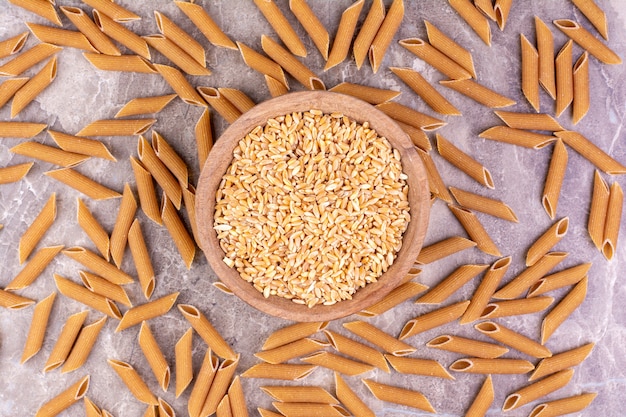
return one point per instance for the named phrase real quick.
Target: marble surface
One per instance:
(81, 94)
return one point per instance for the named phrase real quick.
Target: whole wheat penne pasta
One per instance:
(281, 26)
(399, 395)
(312, 25)
(474, 18)
(83, 345)
(38, 326)
(219, 387)
(483, 204)
(127, 63)
(165, 410)
(37, 229)
(369, 94)
(66, 398)
(220, 103)
(356, 350)
(223, 287)
(291, 372)
(42, 8)
(145, 188)
(28, 59)
(529, 121)
(177, 230)
(65, 340)
(450, 48)
(145, 105)
(563, 406)
(238, 98)
(262, 64)
(176, 54)
(564, 78)
(537, 390)
(290, 64)
(291, 350)
(189, 199)
(98, 265)
(517, 137)
(31, 271)
(483, 400)
(204, 137)
(350, 400)
(300, 394)
(292, 333)
(485, 290)
(61, 37)
(516, 307)
(184, 364)
(203, 382)
(417, 136)
(398, 295)
(587, 41)
(20, 129)
(379, 338)
(91, 409)
(492, 366)
(126, 127)
(180, 85)
(82, 146)
(207, 332)
(112, 10)
(105, 288)
(563, 309)
(182, 39)
(151, 411)
(444, 289)
(14, 44)
(530, 275)
(433, 319)
(385, 34)
(236, 399)
(545, 49)
(343, 37)
(560, 361)
(367, 33)
(591, 152)
(151, 350)
(435, 58)
(580, 79)
(568, 276)
(14, 173)
(417, 366)
(478, 92)
(133, 381)
(613, 220)
(123, 221)
(87, 297)
(122, 35)
(87, 27)
(94, 230)
(546, 241)
(513, 339)
(13, 301)
(170, 158)
(9, 87)
(501, 10)
(595, 15)
(141, 258)
(468, 347)
(223, 407)
(49, 154)
(201, 19)
(475, 230)
(160, 172)
(426, 91)
(290, 409)
(442, 249)
(147, 311)
(435, 182)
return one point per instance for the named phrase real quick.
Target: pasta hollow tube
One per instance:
(560, 361)
(372, 95)
(397, 296)
(13, 301)
(433, 319)
(83, 345)
(83, 184)
(65, 341)
(517, 137)
(133, 381)
(483, 204)
(385, 34)
(300, 394)
(275, 87)
(417, 136)
(14, 173)
(310, 409)
(513, 339)
(38, 326)
(9, 87)
(83, 146)
(88, 28)
(435, 58)
(120, 34)
(104, 288)
(281, 26)
(20, 129)
(357, 350)
(613, 220)
(587, 41)
(181, 38)
(478, 92)
(483, 400)
(203, 383)
(564, 78)
(177, 230)
(237, 398)
(13, 45)
(474, 18)
(537, 390)
(219, 387)
(223, 407)
(42, 8)
(545, 49)
(125, 216)
(126, 127)
(563, 310)
(183, 361)
(220, 103)
(379, 338)
(177, 55)
(312, 25)
(147, 194)
(450, 48)
(49, 154)
(141, 258)
(291, 350)
(125, 63)
(91, 410)
(530, 275)
(563, 406)
(444, 289)
(189, 198)
(61, 37)
(145, 105)
(399, 395)
(435, 182)
(492, 366)
(147, 311)
(98, 265)
(580, 101)
(154, 355)
(501, 10)
(568, 276)
(201, 19)
(547, 240)
(426, 91)
(591, 152)
(475, 230)
(442, 249)
(29, 91)
(113, 10)
(343, 37)
(337, 363)
(170, 158)
(94, 230)
(410, 116)
(180, 85)
(86, 297)
(207, 332)
(28, 59)
(65, 399)
(31, 271)
(290, 64)
(529, 121)
(516, 307)
(238, 98)
(38, 228)
(204, 137)
(350, 400)
(417, 366)
(367, 33)
(468, 347)
(282, 371)
(595, 15)
(160, 172)
(292, 333)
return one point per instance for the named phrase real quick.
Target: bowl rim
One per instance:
(220, 158)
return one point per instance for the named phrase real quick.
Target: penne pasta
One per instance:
(300, 394)
(517, 137)
(86, 297)
(530, 275)
(435, 58)
(141, 258)
(591, 152)
(501, 10)
(159, 172)
(105, 288)
(475, 230)
(563, 310)
(292, 333)
(478, 92)
(474, 18)
(448, 286)
(91, 410)
(189, 198)
(379, 338)
(125, 216)
(492, 366)
(546, 241)
(450, 48)
(563, 406)
(276, 88)
(145, 188)
(65, 341)
(561, 361)
(66, 398)
(174, 225)
(442, 249)
(385, 34)
(350, 400)
(41, 8)
(410, 116)
(569, 276)
(38, 326)
(98, 265)
(485, 290)
(545, 49)
(126, 63)
(121, 35)
(61, 37)
(203, 382)
(165, 410)
(516, 307)
(290, 64)
(14, 173)
(83, 345)
(9, 87)
(399, 395)
(513, 339)
(236, 399)
(28, 59)
(184, 361)
(309, 409)
(529, 121)
(367, 33)
(93, 229)
(170, 158)
(13, 301)
(201, 19)
(426, 91)
(238, 98)
(486, 6)
(207, 332)
(219, 387)
(126, 127)
(24, 130)
(483, 204)
(31, 271)
(371, 95)
(204, 137)
(468, 347)
(564, 78)
(112, 10)
(38, 228)
(595, 15)
(279, 371)
(151, 350)
(416, 366)
(291, 350)
(537, 390)
(356, 350)
(281, 26)
(483, 400)
(220, 103)
(133, 381)
(180, 85)
(29, 91)
(145, 105)
(433, 319)
(182, 39)
(222, 287)
(417, 136)
(177, 55)
(49, 154)
(343, 37)
(580, 77)
(147, 311)
(82, 146)
(587, 41)
(13, 44)
(311, 24)
(397, 296)
(87, 27)
(223, 408)
(613, 220)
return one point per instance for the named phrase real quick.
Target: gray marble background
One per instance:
(81, 94)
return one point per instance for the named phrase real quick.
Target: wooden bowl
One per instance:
(221, 156)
